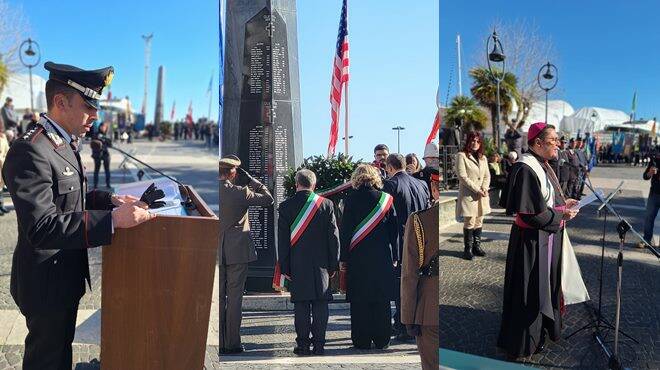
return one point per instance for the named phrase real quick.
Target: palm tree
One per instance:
(4, 75)
(484, 90)
(464, 113)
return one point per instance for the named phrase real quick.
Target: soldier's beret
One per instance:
(230, 161)
(89, 84)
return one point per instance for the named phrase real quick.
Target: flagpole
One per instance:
(346, 135)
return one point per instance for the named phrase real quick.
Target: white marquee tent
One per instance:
(592, 119)
(18, 88)
(557, 110)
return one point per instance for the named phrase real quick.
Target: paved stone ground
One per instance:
(471, 291)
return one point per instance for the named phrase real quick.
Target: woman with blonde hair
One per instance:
(473, 200)
(4, 148)
(368, 255)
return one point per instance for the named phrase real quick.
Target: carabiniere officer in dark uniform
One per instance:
(57, 219)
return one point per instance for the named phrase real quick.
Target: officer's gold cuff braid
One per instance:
(419, 233)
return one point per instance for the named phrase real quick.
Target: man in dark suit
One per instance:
(57, 219)
(308, 254)
(236, 247)
(410, 195)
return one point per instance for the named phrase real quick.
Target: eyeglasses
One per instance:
(554, 140)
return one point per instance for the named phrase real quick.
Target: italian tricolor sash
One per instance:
(305, 216)
(372, 219)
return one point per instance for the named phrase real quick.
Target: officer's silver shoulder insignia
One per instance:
(55, 138)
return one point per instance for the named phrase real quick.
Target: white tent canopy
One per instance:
(592, 119)
(18, 88)
(557, 110)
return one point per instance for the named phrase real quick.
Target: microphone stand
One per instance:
(187, 203)
(622, 228)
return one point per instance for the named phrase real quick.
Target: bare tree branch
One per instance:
(526, 52)
(14, 29)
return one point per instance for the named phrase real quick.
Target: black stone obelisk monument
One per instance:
(261, 118)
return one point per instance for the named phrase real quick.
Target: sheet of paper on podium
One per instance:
(173, 199)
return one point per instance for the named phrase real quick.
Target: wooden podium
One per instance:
(157, 288)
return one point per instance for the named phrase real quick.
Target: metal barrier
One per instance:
(447, 161)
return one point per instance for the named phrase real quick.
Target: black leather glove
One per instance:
(151, 195)
(414, 330)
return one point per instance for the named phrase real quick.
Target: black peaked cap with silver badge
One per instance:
(89, 84)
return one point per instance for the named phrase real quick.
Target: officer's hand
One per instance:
(570, 213)
(129, 215)
(118, 200)
(570, 203)
(414, 330)
(653, 170)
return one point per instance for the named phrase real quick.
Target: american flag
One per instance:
(339, 77)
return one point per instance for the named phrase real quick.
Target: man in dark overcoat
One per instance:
(410, 195)
(308, 254)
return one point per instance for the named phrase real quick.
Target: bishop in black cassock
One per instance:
(532, 282)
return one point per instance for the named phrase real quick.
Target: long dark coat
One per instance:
(524, 317)
(315, 256)
(410, 195)
(370, 275)
(57, 220)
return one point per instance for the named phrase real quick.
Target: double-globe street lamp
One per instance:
(496, 55)
(547, 81)
(31, 59)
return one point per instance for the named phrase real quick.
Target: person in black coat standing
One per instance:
(308, 254)
(100, 143)
(410, 195)
(369, 253)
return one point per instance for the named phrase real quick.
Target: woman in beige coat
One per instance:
(4, 148)
(473, 201)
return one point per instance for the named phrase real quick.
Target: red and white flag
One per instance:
(339, 78)
(435, 129)
(173, 111)
(189, 116)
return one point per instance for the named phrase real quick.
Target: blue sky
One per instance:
(393, 50)
(94, 35)
(606, 49)
(393, 72)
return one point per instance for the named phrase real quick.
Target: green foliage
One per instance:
(4, 74)
(484, 89)
(464, 112)
(330, 172)
(489, 147)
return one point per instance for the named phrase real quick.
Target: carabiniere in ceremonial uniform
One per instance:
(419, 278)
(57, 221)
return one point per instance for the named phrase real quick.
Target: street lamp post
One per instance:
(398, 137)
(33, 54)
(551, 80)
(496, 55)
